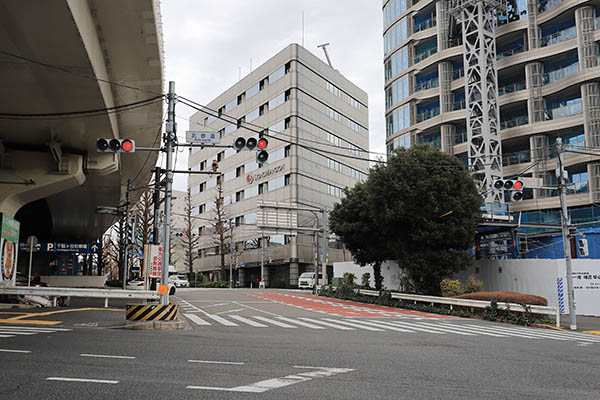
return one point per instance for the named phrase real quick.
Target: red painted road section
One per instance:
(344, 308)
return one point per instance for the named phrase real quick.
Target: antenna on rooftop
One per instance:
(324, 47)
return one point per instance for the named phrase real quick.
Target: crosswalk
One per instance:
(8, 331)
(434, 327)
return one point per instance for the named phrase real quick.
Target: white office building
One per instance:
(316, 122)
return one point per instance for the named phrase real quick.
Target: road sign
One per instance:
(10, 229)
(153, 260)
(203, 137)
(53, 247)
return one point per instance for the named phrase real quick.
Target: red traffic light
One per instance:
(518, 185)
(127, 145)
(262, 143)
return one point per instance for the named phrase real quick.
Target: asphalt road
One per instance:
(229, 355)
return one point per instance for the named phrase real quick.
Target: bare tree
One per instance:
(190, 239)
(220, 224)
(145, 213)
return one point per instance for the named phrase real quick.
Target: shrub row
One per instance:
(506, 297)
(492, 313)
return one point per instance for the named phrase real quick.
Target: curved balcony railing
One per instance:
(428, 114)
(513, 87)
(430, 23)
(425, 54)
(513, 122)
(510, 52)
(557, 37)
(564, 111)
(516, 158)
(557, 75)
(430, 84)
(458, 73)
(550, 4)
(459, 105)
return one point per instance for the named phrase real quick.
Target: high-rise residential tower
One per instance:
(547, 77)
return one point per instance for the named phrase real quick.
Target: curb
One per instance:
(548, 326)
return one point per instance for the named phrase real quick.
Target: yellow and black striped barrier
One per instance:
(151, 312)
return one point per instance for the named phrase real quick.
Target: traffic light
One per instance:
(242, 143)
(261, 153)
(181, 234)
(514, 186)
(115, 145)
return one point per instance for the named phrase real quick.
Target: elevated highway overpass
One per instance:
(63, 56)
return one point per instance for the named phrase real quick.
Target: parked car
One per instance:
(179, 281)
(307, 280)
(21, 280)
(138, 284)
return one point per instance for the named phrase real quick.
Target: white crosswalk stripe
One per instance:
(301, 323)
(277, 323)
(436, 327)
(336, 326)
(196, 319)
(221, 320)
(8, 331)
(248, 321)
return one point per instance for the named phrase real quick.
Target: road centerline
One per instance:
(107, 356)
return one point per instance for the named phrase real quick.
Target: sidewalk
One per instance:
(583, 323)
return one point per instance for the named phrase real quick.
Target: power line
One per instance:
(63, 69)
(73, 113)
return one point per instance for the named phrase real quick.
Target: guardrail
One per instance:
(55, 292)
(451, 301)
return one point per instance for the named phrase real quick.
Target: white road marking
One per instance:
(56, 378)
(276, 383)
(34, 329)
(437, 327)
(482, 330)
(229, 311)
(255, 309)
(564, 334)
(221, 320)
(216, 362)
(1, 336)
(382, 325)
(301, 323)
(317, 321)
(277, 323)
(410, 326)
(107, 356)
(14, 351)
(248, 321)
(196, 319)
(504, 331)
(368, 328)
(17, 333)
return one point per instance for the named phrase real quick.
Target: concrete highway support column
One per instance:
(46, 176)
(294, 273)
(242, 277)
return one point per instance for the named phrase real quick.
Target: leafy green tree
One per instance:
(421, 209)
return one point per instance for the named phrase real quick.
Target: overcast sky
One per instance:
(207, 42)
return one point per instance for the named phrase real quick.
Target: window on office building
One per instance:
(288, 123)
(287, 180)
(239, 171)
(288, 150)
(263, 109)
(333, 89)
(333, 114)
(239, 196)
(262, 188)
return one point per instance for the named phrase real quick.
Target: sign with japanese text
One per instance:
(153, 260)
(81, 248)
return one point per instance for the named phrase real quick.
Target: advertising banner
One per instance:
(9, 246)
(153, 260)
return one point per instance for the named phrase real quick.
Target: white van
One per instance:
(307, 280)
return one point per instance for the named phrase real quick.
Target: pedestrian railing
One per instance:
(54, 293)
(452, 302)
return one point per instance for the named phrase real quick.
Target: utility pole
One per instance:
(127, 237)
(324, 247)
(562, 184)
(262, 261)
(170, 137)
(230, 254)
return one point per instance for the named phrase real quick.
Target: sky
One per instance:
(207, 43)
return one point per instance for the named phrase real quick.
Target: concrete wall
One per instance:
(392, 275)
(74, 281)
(539, 277)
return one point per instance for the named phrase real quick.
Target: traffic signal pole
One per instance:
(565, 232)
(169, 147)
(127, 236)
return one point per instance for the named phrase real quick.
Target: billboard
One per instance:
(9, 246)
